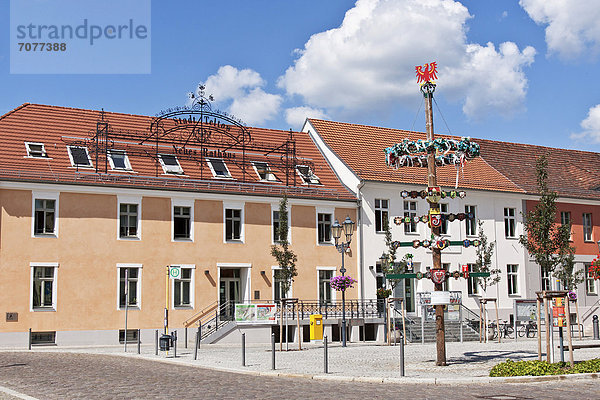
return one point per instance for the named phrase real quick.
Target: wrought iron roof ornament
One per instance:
(199, 99)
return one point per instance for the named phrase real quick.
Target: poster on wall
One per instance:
(256, 313)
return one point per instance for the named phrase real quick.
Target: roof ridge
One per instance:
(14, 110)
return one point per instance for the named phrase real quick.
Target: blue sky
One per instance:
(519, 71)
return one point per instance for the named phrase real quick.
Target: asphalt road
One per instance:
(46, 375)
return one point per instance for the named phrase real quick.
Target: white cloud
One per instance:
(368, 62)
(240, 91)
(590, 125)
(572, 25)
(295, 116)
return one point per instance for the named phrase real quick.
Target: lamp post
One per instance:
(336, 229)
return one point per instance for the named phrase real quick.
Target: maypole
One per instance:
(431, 153)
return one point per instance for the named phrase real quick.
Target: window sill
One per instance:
(86, 167)
(514, 295)
(238, 241)
(45, 235)
(38, 158)
(587, 241)
(412, 233)
(183, 240)
(325, 244)
(130, 238)
(511, 238)
(183, 308)
(40, 309)
(135, 308)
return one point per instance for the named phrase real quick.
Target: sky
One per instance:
(509, 70)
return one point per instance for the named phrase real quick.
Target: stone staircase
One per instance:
(452, 328)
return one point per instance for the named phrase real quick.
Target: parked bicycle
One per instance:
(529, 329)
(506, 330)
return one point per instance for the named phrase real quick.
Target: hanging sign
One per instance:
(435, 218)
(174, 272)
(438, 275)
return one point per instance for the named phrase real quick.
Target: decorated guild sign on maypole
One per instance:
(431, 153)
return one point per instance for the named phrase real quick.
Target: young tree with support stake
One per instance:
(545, 240)
(286, 258)
(483, 262)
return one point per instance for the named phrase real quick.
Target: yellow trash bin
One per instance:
(316, 327)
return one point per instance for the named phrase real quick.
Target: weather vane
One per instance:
(200, 100)
(426, 73)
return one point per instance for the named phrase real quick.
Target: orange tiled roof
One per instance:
(502, 166)
(56, 126)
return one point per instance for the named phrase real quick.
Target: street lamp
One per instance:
(336, 229)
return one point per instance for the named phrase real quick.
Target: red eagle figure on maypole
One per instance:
(427, 72)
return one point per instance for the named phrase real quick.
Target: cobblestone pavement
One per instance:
(48, 375)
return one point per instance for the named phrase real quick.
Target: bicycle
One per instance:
(529, 329)
(506, 330)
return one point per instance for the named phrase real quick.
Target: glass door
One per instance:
(229, 291)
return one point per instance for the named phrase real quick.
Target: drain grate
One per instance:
(503, 397)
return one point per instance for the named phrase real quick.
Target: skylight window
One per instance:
(79, 156)
(170, 164)
(36, 150)
(119, 160)
(264, 171)
(218, 168)
(307, 174)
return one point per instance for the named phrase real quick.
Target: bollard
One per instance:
(243, 349)
(156, 342)
(29, 338)
(197, 342)
(186, 339)
(325, 355)
(174, 344)
(594, 324)
(272, 351)
(139, 343)
(402, 356)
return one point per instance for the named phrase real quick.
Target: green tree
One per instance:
(390, 266)
(545, 240)
(483, 261)
(286, 259)
(566, 272)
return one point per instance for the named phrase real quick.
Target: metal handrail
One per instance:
(194, 318)
(590, 311)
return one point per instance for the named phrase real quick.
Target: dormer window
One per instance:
(170, 164)
(36, 150)
(118, 160)
(79, 156)
(264, 171)
(218, 168)
(307, 174)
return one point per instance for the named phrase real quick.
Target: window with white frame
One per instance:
(510, 222)
(170, 164)
(325, 290)
(512, 278)
(410, 210)
(218, 168)
(79, 156)
(264, 171)
(183, 288)
(129, 286)
(278, 280)
(128, 220)
(381, 214)
(587, 227)
(307, 174)
(36, 150)
(444, 225)
(324, 227)
(43, 287)
(182, 223)
(590, 282)
(118, 160)
(233, 224)
(546, 282)
(471, 224)
(472, 282)
(44, 217)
